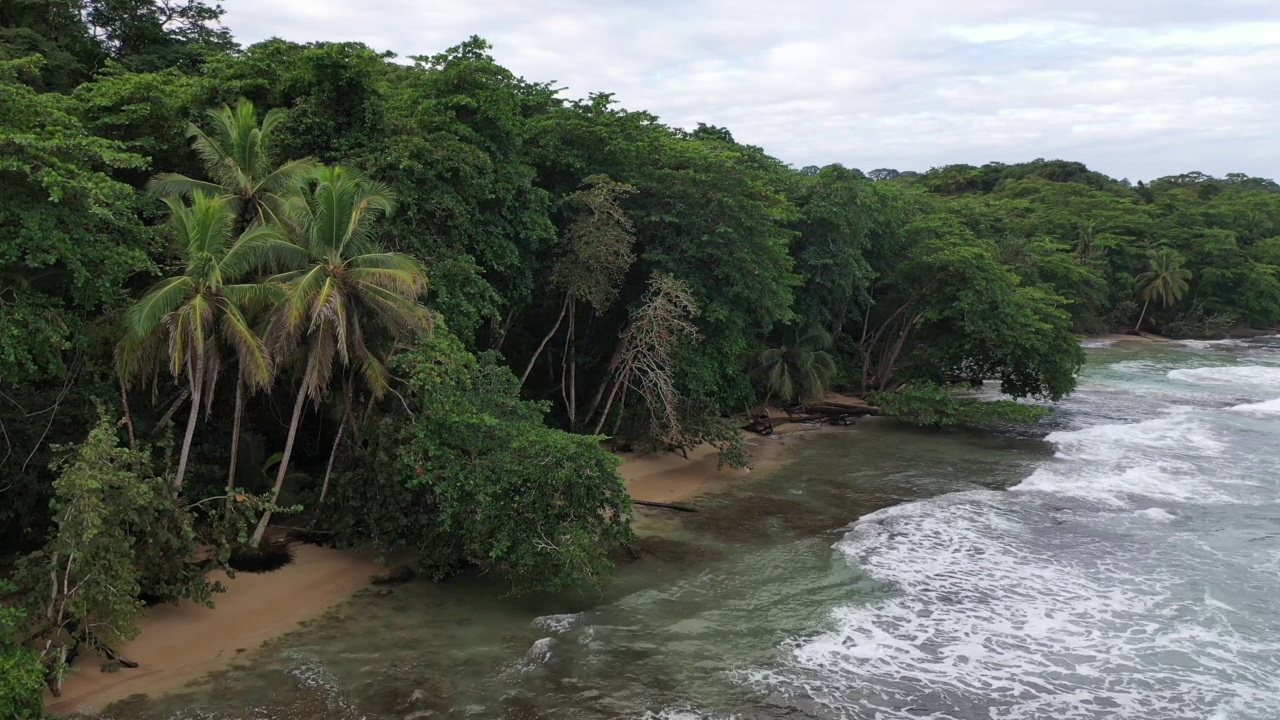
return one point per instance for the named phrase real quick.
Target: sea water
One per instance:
(1120, 561)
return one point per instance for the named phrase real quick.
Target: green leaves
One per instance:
(467, 474)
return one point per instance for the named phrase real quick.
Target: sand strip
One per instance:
(184, 642)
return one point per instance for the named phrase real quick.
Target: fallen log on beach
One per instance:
(664, 506)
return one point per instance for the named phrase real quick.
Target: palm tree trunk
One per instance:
(529, 368)
(1138, 327)
(235, 438)
(261, 530)
(333, 455)
(197, 389)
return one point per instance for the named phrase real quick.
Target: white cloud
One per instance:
(1136, 88)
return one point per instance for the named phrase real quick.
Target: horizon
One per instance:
(1129, 94)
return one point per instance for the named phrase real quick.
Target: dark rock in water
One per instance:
(397, 576)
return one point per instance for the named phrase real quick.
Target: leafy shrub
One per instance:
(21, 675)
(466, 474)
(934, 406)
(1199, 324)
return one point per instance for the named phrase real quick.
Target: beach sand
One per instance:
(184, 642)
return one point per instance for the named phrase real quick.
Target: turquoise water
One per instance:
(1121, 562)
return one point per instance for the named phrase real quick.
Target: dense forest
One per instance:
(404, 301)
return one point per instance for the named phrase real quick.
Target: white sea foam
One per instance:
(1268, 407)
(987, 617)
(1156, 514)
(1244, 376)
(540, 652)
(1156, 458)
(558, 624)
(1096, 343)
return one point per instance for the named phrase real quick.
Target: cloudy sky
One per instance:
(1135, 88)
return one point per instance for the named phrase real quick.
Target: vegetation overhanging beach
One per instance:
(417, 309)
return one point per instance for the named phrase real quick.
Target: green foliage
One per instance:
(118, 533)
(69, 237)
(468, 475)
(934, 406)
(800, 371)
(21, 675)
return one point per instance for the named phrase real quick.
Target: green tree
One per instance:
(118, 532)
(185, 321)
(465, 473)
(239, 157)
(346, 300)
(800, 371)
(21, 674)
(1166, 281)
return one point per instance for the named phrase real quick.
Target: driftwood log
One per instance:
(832, 412)
(664, 506)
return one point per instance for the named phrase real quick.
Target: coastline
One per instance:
(1122, 338)
(183, 643)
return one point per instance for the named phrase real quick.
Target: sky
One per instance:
(1134, 88)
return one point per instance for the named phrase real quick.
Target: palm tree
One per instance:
(342, 289)
(1166, 281)
(239, 158)
(185, 321)
(799, 372)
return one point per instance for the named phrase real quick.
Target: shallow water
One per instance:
(1125, 566)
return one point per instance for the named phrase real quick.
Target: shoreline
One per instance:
(183, 643)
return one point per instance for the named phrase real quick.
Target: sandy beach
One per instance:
(184, 642)
(179, 644)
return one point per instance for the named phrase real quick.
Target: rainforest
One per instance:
(416, 304)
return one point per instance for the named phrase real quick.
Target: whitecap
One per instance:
(558, 624)
(1268, 407)
(991, 617)
(1247, 376)
(1156, 514)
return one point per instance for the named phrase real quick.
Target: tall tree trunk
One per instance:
(235, 437)
(608, 405)
(128, 415)
(261, 530)
(197, 389)
(573, 372)
(333, 455)
(604, 384)
(1138, 327)
(529, 368)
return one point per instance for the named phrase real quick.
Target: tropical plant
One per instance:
(238, 154)
(343, 294)
(185, 321)
(799, 372)
(1166, 281)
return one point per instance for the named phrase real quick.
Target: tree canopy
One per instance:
(468, 287)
